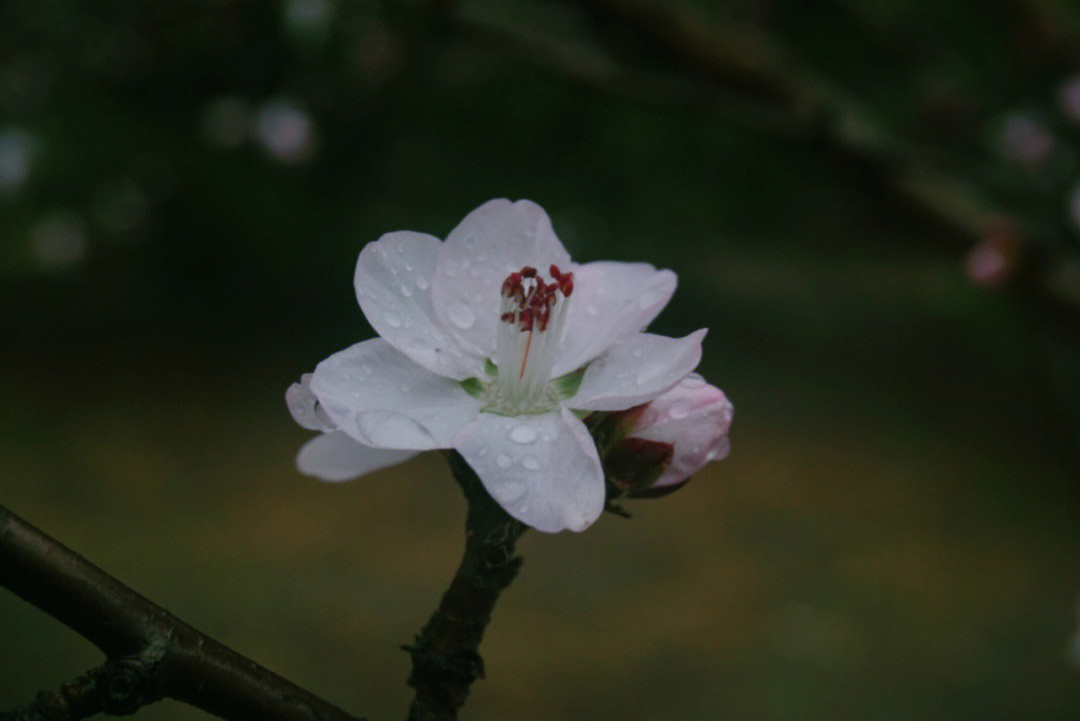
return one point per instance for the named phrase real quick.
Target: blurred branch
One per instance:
(444, 655)
(743, 77)
(151, 654)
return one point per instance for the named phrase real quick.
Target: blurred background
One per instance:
(873, 206)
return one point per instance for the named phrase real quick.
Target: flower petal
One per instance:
(494, 240)
(610, 301)
(305, 408)
(636, 370)
(381, 398)
(337, 457)
(542, 469)
(694, 417)
(392, 280)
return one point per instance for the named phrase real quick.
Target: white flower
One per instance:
(489, 343)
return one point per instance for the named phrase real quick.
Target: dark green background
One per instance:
(895, 533)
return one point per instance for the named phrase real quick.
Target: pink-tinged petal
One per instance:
(337, 457)
(304, 406)
(694, 417)
(379, 397)
(636, 370)
(610, 301)
(542, 469)
(494, 240)
(393, 284)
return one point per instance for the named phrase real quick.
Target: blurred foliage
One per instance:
(873, 206)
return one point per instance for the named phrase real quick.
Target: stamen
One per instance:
(531, 321)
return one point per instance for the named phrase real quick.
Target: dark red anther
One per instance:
(566, 284)
(528, 272)
(512, 283)
(554, 272)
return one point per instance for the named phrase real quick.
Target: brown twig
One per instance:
(151, 653)
(444, 655)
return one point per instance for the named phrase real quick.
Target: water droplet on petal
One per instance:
(482, 451)
(502, 460)
(462, 315)
(405, 388)
(592, 309)
(422, 283)
(679, 409)
(406, 291)
(651, 296)
(523, 434)
(510, 490)
(573, 519)
(392, 320)
(531, 463)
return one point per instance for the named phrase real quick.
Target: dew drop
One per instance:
(462, 315)
(523, 434)
(482, 451)
(573, 519)
(502, 460)
(406, 291)
(510, 491)
(592, 309)
(422, 283)
(392, 320)
(405, 387)
(651, 296)
(530, 463)
(679, 409)
(637, 353)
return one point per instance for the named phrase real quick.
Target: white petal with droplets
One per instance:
(636, 370)
(381, 398)
(494, 240)
(337, 457)
(393, 277)
(548, 476)
(610, 301)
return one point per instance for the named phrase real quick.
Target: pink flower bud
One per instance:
(694, 418)
(652, 449)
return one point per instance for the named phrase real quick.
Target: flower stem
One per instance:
(444, 655)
